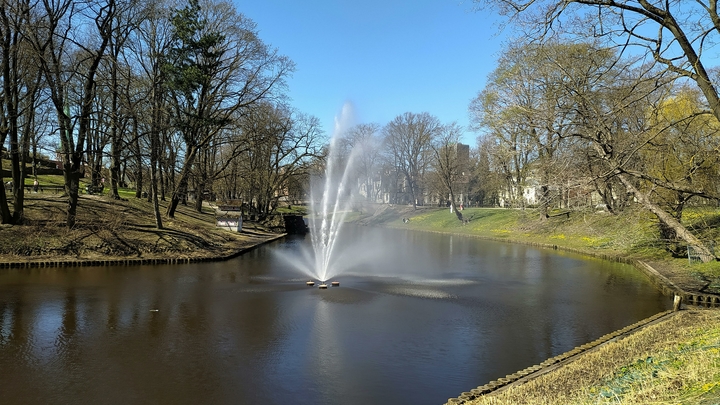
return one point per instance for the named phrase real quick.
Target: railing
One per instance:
(696, 255)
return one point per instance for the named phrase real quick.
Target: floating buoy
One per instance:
(322, 286)
(310, 283)
(335, 284)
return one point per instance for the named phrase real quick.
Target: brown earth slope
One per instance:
(119, 229)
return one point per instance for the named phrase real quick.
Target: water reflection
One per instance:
(431, 316)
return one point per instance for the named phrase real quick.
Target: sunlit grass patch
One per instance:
(676, 361)
(422, 217)
(595, 242)
(682, 373)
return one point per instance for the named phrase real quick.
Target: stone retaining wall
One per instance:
(669, 288)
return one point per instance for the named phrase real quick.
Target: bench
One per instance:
(566, 214)
(695, 254)
(230, 223)
(229, 208)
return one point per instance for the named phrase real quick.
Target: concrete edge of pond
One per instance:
(667, 287)
(530, 373)
(133, 262)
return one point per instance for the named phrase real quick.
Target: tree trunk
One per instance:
(457, 212)
(5, 216)
(72, 188)
(138, 169)
(181, 188)
(411, 184)
(174, 201)
(198, 199)
(544, 198)
(115, 140)
(178, 193)
(10, 109)
(115, 167)
(162, 179)
(154, 184)
(668, 220)
(18, 188)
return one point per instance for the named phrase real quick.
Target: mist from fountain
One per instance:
(330, 202)
(332, 196)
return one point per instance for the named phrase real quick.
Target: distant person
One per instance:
(35, 186)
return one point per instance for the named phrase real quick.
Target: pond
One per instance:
(421, 319)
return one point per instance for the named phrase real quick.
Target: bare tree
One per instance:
(119, 80)
(13, 81)
(503, 111)
(485, 180)
(364, 140)
(216, 67)
(146, 91)
(55, 40)
(409, 138)
(283, 143)
(610, 105)
(676, 33)
(449, 162)
(601, 100)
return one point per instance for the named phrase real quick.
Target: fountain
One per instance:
(330, 202)
(331, 198)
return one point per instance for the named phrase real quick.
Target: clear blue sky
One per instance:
(385, 57)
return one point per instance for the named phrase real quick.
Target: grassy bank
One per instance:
(118, 229)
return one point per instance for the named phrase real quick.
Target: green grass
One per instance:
(124, 192)
(46, 180)
(293, 210)
(633, 233)
(584, 231)
(676, 361)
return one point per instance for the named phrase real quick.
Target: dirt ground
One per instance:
(120, 229)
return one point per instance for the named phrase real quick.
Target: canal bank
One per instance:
(36, 264)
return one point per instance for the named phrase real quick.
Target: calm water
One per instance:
(424, 318)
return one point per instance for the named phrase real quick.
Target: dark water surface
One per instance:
(424, 318)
